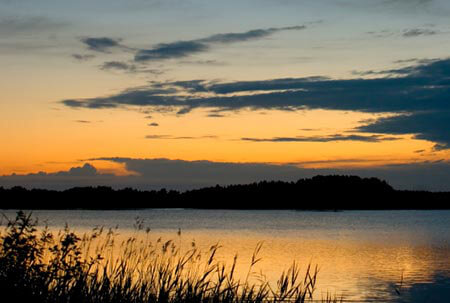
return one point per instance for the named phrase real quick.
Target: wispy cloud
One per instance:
(406, 33)
(215, 115)
(81, 121)
(332, 138)
(169, 137)
(204, 62)
(128, 68)
(181, 49)
(81, 57)
(249, 35)
(415, 32)
(117, 65)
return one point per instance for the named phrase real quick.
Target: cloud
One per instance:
(81, 57)
(339, 162)
(169, 137)
(416, 2)
(181, 49)
(415, 32)
(204, 62)
(158, 137)
(117, 65)
(420, 90)
(177, 49)
(19, 25)
(411, 60)
(397, 6)
(153, 124)
(179, 174)
(249, 35)
(174, 50)
(87, 170)
(381, 33)
(332, 138)
(406, 33)
(422, 67)
(155, 95)
(101, 44)
(86, 175)
(432, 126)
(413, 3)
(129, 68)
(310, 129)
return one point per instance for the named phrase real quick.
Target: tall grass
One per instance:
(41, 266)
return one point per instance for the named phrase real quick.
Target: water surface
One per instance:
(362, 255)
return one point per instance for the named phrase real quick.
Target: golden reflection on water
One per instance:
(354, 269)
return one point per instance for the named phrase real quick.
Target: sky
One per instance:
(190, 93)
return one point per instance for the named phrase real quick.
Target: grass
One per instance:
(41, 266)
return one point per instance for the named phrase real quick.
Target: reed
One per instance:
(42, 266)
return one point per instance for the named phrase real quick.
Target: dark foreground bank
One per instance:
(317, 193)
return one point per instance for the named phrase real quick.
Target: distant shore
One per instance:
(321, 193)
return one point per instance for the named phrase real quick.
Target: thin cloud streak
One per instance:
(169, 137)
(332, 138)
(182, 49)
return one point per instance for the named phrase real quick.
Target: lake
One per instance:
(362, 255)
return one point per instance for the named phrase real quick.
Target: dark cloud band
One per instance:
(101, 44)
(421, 91)
(179, 174)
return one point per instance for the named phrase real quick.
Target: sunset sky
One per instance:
(189, 93)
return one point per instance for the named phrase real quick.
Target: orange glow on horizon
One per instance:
(68, 138)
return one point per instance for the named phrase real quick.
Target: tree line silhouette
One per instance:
(317, 193)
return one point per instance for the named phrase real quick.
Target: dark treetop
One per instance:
(317, 193)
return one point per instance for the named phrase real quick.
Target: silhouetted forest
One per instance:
(317, 193)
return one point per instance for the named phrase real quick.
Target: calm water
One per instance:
(362, 255)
